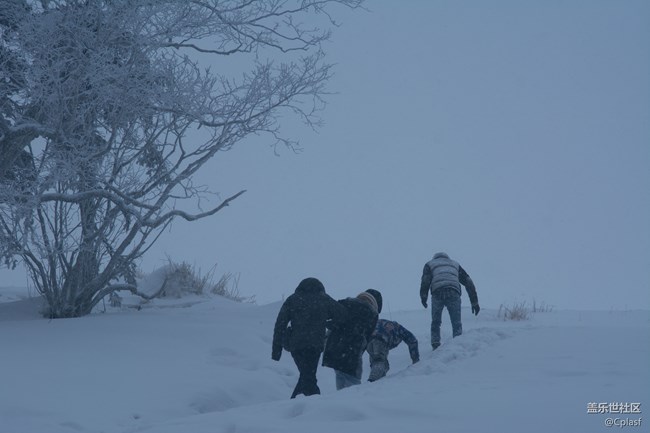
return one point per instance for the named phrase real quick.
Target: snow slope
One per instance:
(202, 364)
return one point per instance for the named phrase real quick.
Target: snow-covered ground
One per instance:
(203, 364)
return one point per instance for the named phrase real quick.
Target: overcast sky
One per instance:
(514, 135)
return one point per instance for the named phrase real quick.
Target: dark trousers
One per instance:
(344, 380)
(307, 362)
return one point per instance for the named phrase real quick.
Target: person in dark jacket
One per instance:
(347, 341)
(387, 336)
(300, 329)
(442, 277)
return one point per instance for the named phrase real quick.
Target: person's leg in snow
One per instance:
(452, 302)
(378, 354)
(344, 380)
(437, 304)
(307, 362)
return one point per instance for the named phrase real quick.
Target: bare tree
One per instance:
(97, 101)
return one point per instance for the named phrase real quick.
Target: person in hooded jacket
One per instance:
(348, 339)
(300, 329)
(442, 277)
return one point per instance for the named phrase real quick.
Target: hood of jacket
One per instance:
(310, 285)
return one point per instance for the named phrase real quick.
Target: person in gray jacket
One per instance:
(442, 277)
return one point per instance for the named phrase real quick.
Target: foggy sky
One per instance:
(514, 135)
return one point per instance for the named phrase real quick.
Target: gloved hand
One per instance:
(424, 302)
(276, 354)
(475, 309)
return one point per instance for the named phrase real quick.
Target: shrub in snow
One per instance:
(542, 307)
(518, 311)
(228, 287)
(115, 300)
(184, 279)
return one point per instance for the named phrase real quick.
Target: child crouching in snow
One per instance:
(388, 335)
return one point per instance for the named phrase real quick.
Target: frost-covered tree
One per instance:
(107, 111)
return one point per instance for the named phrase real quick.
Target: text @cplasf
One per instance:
(623, 422)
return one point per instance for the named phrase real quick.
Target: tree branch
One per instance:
(129, 287)
(189, 217)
